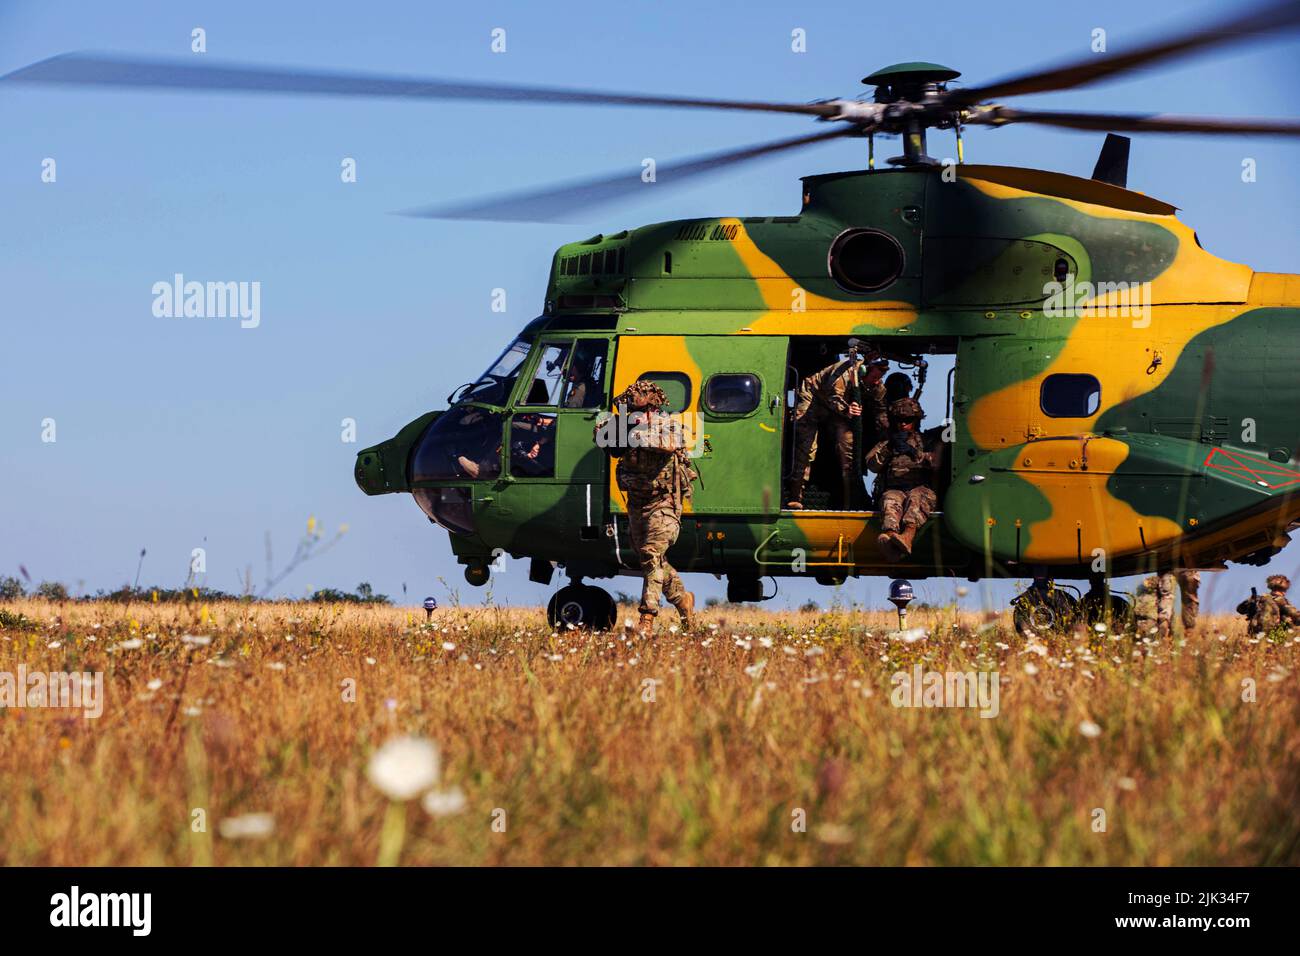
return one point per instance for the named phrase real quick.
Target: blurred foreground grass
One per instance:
(766, 738)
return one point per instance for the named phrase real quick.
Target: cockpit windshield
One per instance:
(494, 386)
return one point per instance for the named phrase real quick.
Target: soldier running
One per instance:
(824, 398)
(655, 473)
(906, 464)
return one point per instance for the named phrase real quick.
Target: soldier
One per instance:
(655, 473)
(897, 385)
(1145, 612)
(1262, 614)
(1266, 612)
(906, 463)
(1278, 585)
(582, 390)
(1189, 584)
(825, 397)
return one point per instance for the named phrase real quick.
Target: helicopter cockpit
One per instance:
(473, 442)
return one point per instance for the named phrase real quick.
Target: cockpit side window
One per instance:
(548, 377)
(584, 385)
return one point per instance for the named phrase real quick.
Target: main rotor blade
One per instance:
(1275, 17)
(1137, 123)
(101, 70)
(553, 202)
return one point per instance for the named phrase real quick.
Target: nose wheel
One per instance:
(1043, 607)
(581, 606)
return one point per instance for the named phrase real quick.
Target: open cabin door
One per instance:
(730, 390)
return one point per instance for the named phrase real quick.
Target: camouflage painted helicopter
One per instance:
(1115, 390)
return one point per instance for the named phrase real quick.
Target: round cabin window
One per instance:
(865, 260)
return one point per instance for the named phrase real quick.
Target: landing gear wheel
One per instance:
(1038, 612)
(581, 606)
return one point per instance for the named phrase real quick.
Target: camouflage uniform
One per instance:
(1189, 584)
(656, 476)
(824, 397)
(1145, 611)
(1267, 612)
(1262, 613)
(905, 461)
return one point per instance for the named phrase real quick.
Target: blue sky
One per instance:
(175, 434)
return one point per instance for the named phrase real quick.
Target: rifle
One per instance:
(853, 482)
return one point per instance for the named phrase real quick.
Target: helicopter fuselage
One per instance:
(1119, 400)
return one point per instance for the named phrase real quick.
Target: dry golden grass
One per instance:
(556, 731)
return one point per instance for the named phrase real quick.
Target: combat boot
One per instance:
(794, 498)
(687, 611)
(646, 626)
(903, 540)
(891, 546)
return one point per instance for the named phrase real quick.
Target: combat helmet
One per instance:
(897, 385)
(1278, 582)
(642, 392)
(905, 409)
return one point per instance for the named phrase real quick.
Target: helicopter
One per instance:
(1104, 365)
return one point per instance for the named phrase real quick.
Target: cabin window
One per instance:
(732, 394)
(1067, 395)
(675, 385)
(865, 260)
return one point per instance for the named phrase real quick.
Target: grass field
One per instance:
(766, 738)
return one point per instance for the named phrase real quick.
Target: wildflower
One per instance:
(250, 826)
(1089, 729)
(443, 803)
(132, 644)
(194, 640)
(404, 768)
(154, 684)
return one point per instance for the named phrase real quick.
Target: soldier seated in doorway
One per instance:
(826, 397)
(906, 462)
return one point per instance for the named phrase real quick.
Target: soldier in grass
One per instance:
(1188, 583)
(1266, 613)
(1144, 604)
(655, 473)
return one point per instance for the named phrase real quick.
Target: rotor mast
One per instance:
(907, 89)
